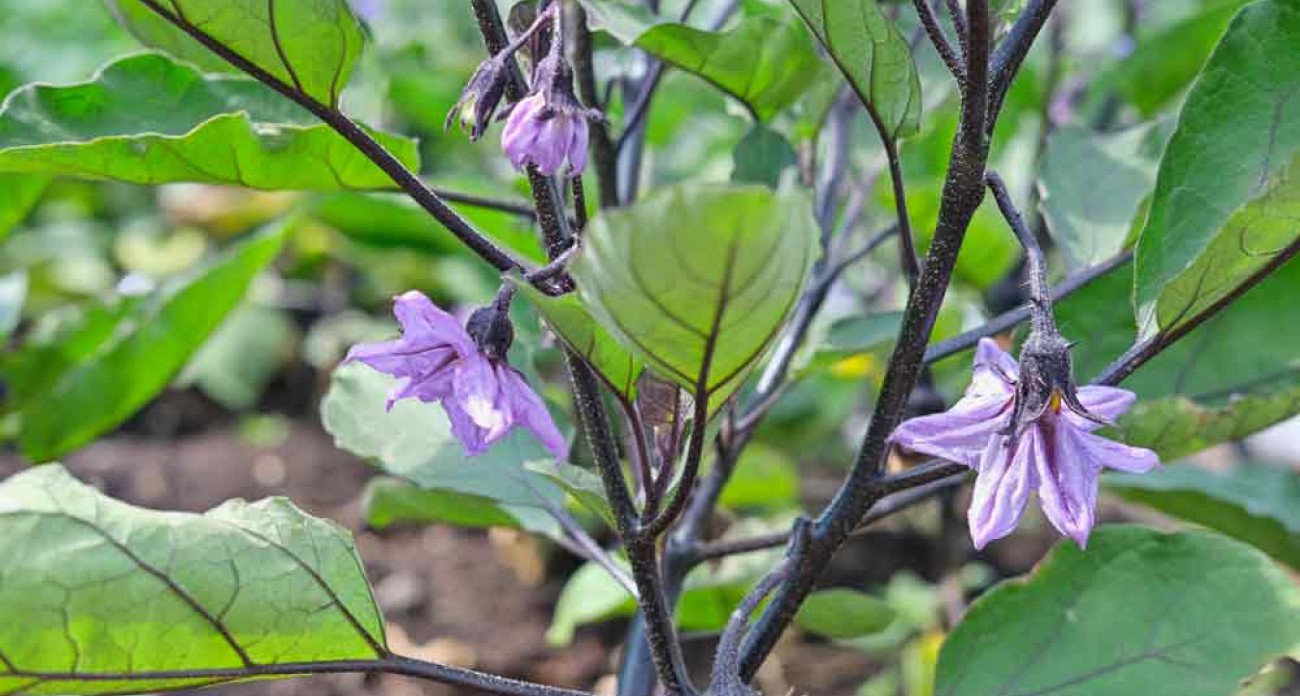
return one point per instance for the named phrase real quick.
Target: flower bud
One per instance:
(479, 100)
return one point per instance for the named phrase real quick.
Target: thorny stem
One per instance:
(556, 232)
(1039, 294)
(1011, 53)
(940, 40)
(358, 137)
(962, 194)
(888, 505)
(1009, 320)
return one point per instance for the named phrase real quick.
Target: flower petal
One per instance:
(578, 148)
(471, 436)
(425, 323)
(1108, 403)
(960, 434)
(1102, 452)
(528, 409)
(1067, 481)
(1006, 476)
(478, 392)
(993, 368)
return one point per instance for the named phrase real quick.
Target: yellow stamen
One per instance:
(1055, 402)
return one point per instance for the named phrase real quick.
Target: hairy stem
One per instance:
(962, 193)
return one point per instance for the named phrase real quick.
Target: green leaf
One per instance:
(589, 595)
(101, 597)
(148, 120)
(388, 501)
(873, 55)
(309, 45)
(1164, 63)
(765, 63)
(1228, 190)
(1255, 503)
(843, 614)
(1186, 614)
(81, 385)
(1091, 186)
(243, 355)
(1235, 375)
(571, 321)
(761, 157)
(696, 280)
(19, 193)
(583, 485)
(413, 441)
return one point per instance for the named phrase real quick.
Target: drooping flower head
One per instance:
(478, 101)
(1025, 427)
(548, 127)
(438, 360)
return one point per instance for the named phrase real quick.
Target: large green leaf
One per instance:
(413, 441)
(765, 63)
(566, 315)
(1228, 191)
(1186, 614)
(696, 280)
(1236, 374)
(1091, 188)
(78, 385)
(873, 55)
(148, 120)
(1258, 504)
(1165, 62)
(100, 597)
(310, 45)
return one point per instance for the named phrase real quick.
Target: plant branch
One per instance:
(1143, 351)
(1039, 293)
(940, 40)
(390, 664)
(1012, 51)
(888, 506)
(1009, 320)
(357, 136)
(962, 193)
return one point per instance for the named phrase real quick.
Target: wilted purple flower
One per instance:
(437, 360)
(479, 100)
(545, 130)
(1011, 428)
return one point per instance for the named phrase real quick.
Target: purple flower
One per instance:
(545, 134)
(437, 360)
(1011, 428)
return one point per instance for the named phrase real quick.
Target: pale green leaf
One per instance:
(1256, 503)
(309, 45)
(697, 280)
(569, 319)
(873, 55)
(761, 157)
(1228, 192)
(100, 597)
(765, 63)
(148, 120)
(1091, 186)
(1187, 614)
